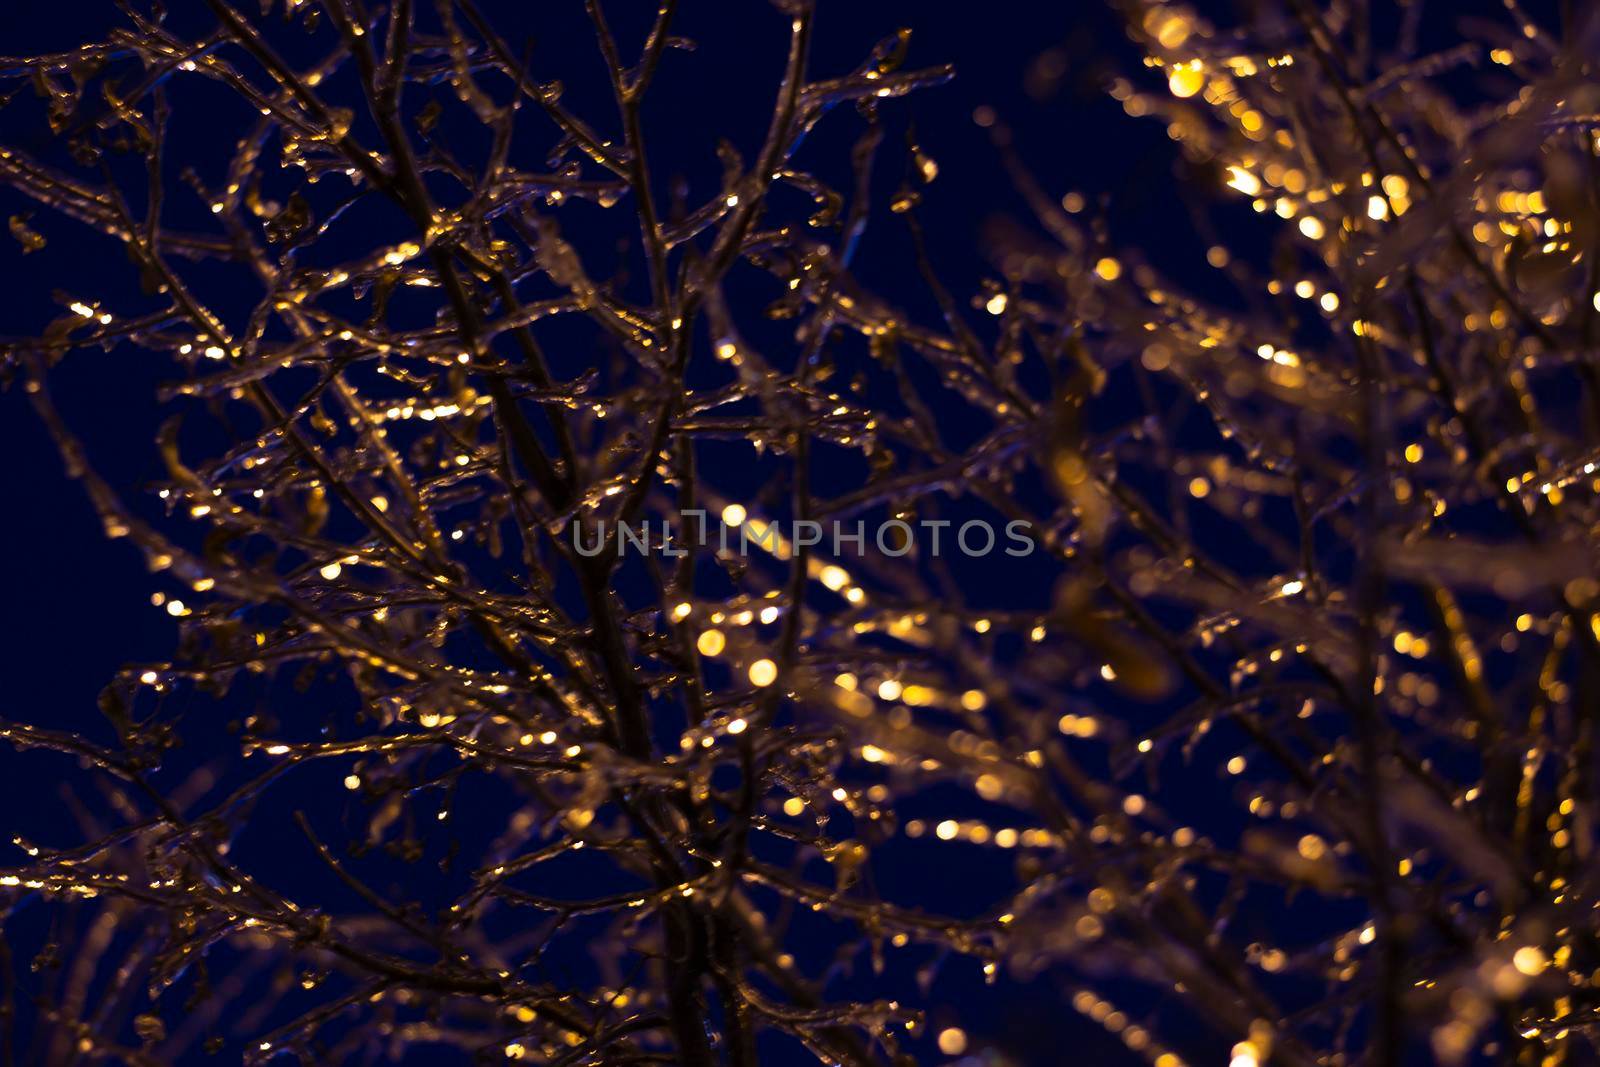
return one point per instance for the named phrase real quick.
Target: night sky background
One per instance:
(78, 607)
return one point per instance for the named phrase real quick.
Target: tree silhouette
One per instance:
(1303, 743)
